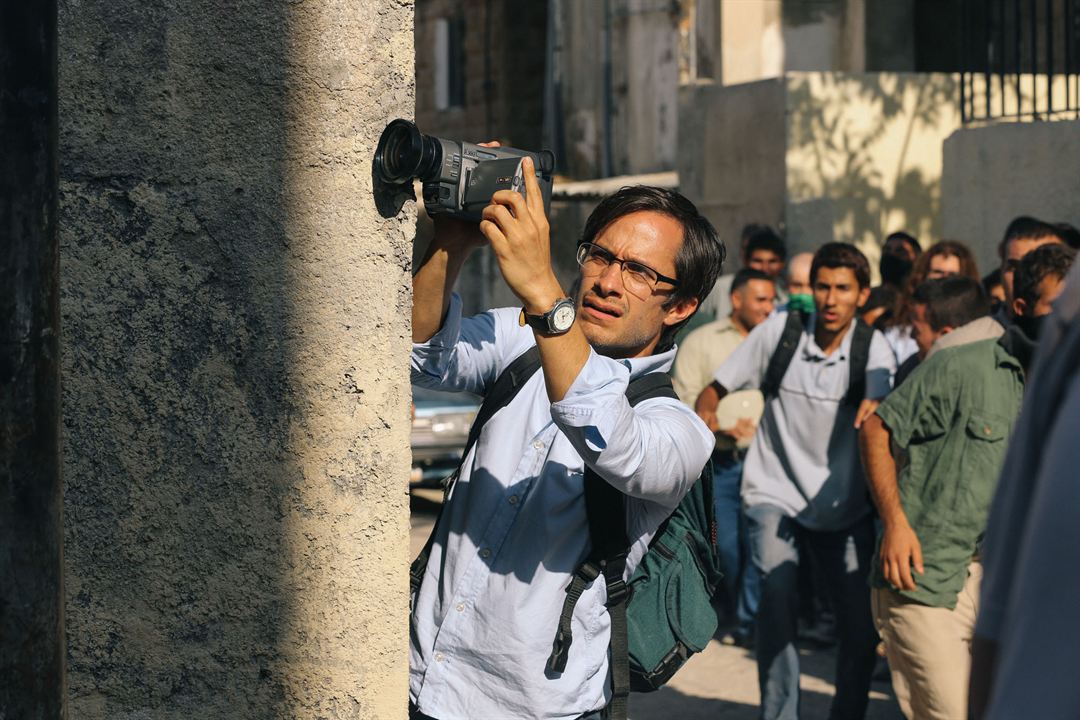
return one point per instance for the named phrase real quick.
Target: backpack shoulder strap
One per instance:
(785, 351)
(502, 391)
(605, 510)
(858, 359)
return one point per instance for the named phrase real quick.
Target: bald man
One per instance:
(798, 282)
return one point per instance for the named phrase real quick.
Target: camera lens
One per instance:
(404, 153)
(399, 151)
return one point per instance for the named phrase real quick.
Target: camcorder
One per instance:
(458, 178)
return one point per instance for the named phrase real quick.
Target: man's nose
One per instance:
(610, 278)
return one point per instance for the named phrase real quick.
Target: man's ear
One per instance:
(680, 310)
(1019, 307)
(864, 295)
(736, 300)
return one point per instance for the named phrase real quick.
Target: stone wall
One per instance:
(864, 156)
(824, 156)
(731, 155)
(235, 339)
(994, 173)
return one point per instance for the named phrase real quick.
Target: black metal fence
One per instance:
(1019, 60)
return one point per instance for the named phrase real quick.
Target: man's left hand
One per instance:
(519, 234)
(742, 431)
(866, 409)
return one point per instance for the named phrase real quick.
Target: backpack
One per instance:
(664, 613)
(789, 342)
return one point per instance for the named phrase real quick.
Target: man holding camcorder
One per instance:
(514, 526)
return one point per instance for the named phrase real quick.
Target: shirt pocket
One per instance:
(985, 436)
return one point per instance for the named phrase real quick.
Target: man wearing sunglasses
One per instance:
(515, 527)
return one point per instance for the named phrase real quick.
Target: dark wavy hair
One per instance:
(841, 255)
(951, 301)
(1054, 260)
(969, 268)
(700, 259)
(1026, 227)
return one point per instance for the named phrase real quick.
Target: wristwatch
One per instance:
(555, 321)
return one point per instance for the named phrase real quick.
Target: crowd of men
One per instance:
(859, 431)
(944, 374)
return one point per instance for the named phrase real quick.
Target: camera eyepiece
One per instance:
(404, 153)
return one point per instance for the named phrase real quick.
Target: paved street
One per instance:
(720, 682)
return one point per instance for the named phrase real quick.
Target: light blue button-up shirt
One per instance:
(514, 528)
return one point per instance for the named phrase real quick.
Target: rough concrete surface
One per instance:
(235, 335)
(994, 173)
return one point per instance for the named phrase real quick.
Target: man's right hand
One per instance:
(900, 551)
(438, 272)
(462, 235)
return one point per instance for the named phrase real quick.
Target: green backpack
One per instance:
(664, 613)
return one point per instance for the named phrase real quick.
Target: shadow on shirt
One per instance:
(536, 521)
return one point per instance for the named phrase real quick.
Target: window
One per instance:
(449, 62)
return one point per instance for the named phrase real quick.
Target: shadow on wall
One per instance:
(176, 373)
(871, 146)
(193, 314)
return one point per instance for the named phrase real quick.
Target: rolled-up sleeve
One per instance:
(745, 367)
(880, 367)
(462, 355)
(653, 451)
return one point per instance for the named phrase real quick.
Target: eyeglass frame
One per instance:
(583, 251)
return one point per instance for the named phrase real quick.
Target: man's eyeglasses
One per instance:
(639, 280)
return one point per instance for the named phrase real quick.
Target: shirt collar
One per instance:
(725, 325)
(811, 351)
(660, 362)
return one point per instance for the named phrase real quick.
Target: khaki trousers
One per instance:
(929, 649)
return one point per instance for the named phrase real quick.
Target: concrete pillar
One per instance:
(235, 359)
(31, 569)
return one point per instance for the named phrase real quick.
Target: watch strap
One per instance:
(541, 323)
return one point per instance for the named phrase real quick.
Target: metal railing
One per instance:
(1019, 60)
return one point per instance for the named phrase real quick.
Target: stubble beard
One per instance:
(609, 342)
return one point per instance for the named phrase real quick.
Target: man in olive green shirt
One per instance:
(949, 422)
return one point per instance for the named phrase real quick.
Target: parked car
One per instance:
(440, 429)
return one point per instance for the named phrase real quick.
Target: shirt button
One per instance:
(513, 500)
(460, 607)
(485, 553)
(439, 657)
(986, 430)
(539, 445)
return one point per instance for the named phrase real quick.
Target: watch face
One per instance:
(563, 317)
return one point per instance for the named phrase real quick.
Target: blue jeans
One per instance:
(741, 578)
(844, 558)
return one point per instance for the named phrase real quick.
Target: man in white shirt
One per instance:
(803, 486)
(515, 528)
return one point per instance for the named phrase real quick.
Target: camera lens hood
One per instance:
(399, 153)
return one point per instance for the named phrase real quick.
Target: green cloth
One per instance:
(951, 419)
